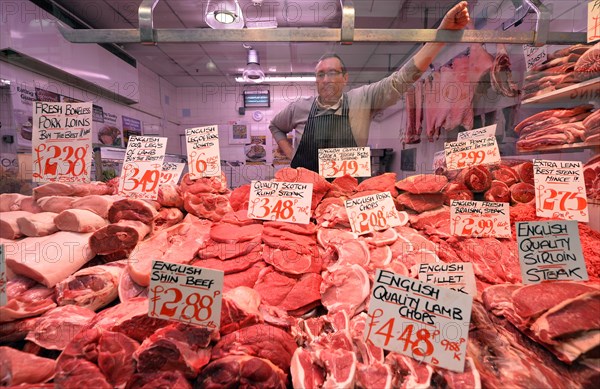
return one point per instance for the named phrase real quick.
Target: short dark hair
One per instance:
(333, 55)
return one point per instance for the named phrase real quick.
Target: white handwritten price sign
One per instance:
(62, 142)
(479, 219)
(471, 152)
(534, 55)
(372, 213)
(3, 277)
(550, 250)
(560, 190)
(354, 161)
(281, 201)
(456, 276)
(171, 172)
(478, 133)
(419, 320)
(188, 294)
(593, 21)
(204, 158)
(142, 167)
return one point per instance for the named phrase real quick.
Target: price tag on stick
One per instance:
(479, 219)
(62, 142)
(204, 157)
(187, 294)
(372, 213)
(560, 190)
(3, 278)
(471, 152)
(550, 251)
(354, 161)
(142, 167)
(171, 172)
(419, 320)
(281, 201)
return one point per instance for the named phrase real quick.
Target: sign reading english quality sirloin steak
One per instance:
(550, 251)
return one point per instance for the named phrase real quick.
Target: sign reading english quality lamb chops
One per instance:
(427, 323)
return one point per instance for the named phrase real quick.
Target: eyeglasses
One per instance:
(330, 74)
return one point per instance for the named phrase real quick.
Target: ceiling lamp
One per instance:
(284, 78)
(253, 72)
(224, 14)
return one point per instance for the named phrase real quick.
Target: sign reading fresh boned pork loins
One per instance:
(423, 321)
(187, 294)
(280, 201)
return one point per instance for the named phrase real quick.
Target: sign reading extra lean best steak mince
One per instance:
(280, 201)
(188, 294)
(419, 320)
(337, 162)
(204, 156)
(550, 251)
(62, 142)
(560, 190)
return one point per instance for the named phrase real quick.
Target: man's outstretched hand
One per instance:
(457, 18)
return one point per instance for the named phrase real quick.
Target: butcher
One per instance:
(336, 118)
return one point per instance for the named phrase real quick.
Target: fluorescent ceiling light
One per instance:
(306, 78)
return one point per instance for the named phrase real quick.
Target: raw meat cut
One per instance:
(423, 183)
(525, 172)
(305, 373)
(374, 376)
(91, 287)
(260, 340)
(410, 131)
(11, 202)
(385, 182)
(95, 203)
(560, 134)
(331, 212)
(175, 347)
(289, 260)
(78, 190)
(340, 367)
(132, 209)
(345, 288)
(228, 233)
(239, 197)
(79, 220)
(55, 328)
(505, 174)
(522, 193)
(207, 205)
(21, 368)
(9, 228)
(115, 357)
(240, 308)
(177, 244)
(456, 191)
(498, 192)
(38, 224)
(29, 303)
(421, 202)
(167, 217)
(120, 237)
(556, 113)
(294, 295)
(161, 379)
(55, 257)
(589, 62)
(501, 74)
(241, 371)
(170, 196)
(56, 204)
(434, 111)
(436, 222)
(30, 205)
(477, 178)
(592, 120)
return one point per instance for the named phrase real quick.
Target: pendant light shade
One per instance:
(224, 14)
(253, 73)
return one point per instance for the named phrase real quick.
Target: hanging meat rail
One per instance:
(147, 34)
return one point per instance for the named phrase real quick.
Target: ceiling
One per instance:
(192, 64)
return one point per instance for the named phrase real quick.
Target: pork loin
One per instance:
(38, 224)
(79, 220)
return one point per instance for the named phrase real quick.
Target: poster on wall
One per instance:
(107, 131)
(46, 96)
(22, 102)
(239, 134)
(67, 99)
(131, 127)
(256, 151)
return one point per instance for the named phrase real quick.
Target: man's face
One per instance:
(330, 80)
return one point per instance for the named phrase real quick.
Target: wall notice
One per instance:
(550, 251)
